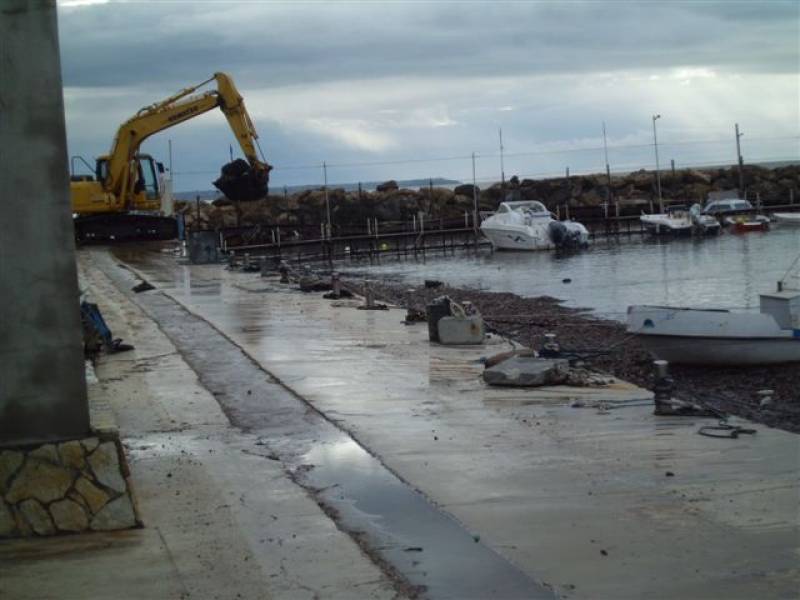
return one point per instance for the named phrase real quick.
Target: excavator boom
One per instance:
(124, 177)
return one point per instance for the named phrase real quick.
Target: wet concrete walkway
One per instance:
(392, 521)
(599, 504)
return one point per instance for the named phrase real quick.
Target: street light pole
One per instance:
(740, 161)
(658, 172)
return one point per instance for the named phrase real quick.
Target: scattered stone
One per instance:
(524, 371)
(433, 283)
(10, 461)
(95, 497)
(105, 464)
(40, 480)
(47, 452)
(37, 517)
(117, 514)
(72, 454)
(90, 444)
(604, 552)
(7, 522)
(412, 549)
(143, 286)
(68, 516)
(669, 474)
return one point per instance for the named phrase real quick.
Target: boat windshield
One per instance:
(527, 206)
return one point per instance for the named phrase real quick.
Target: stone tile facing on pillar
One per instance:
(10, 462)
(67, 487)
(106, 467)
(68, 515)
(40, 480)
(37, 517)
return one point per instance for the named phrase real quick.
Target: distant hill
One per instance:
(208, 195)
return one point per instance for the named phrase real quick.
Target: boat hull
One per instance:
(713, 337)
(696, 350)
(787, 218)
(516, 239)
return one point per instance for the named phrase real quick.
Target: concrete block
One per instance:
(203, 247)
(457, 330)
(526, 371)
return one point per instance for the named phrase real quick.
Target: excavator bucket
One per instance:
(242, 183)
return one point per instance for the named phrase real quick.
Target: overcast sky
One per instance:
(425, 84)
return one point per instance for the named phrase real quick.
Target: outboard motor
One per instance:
(558, 233)
(568, 234)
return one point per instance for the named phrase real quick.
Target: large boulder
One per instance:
(467, 189)
(387, 186)
(527, 371)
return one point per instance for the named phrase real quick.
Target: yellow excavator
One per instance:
(122, 200)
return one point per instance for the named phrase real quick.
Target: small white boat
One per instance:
(528, 225)
(675, 221)
(789, 218)
(704, 224)
(722, 337)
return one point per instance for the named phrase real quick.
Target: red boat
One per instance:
(743, 223)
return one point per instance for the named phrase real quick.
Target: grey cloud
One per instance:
(274, 45)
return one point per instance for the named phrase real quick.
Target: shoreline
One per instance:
(609, 348)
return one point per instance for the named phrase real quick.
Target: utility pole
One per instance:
(502, 167)
(608, 168)
(740, 161)
(327, 202)
(605, 151)
(658, 172)
(474, 197)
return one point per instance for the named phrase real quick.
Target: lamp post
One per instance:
(658, 172)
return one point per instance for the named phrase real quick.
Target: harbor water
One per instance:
(726, 271)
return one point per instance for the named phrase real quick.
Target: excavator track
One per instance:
(104, 229)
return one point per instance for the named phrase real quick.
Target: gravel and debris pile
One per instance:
(609, 348)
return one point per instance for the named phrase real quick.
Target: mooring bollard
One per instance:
(550, 349)
(369, 295)
(232, 259)
(336, 285)
(283, 269)
(263, 265)
(663, 388)
(246, 263)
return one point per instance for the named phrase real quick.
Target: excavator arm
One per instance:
(121, 172)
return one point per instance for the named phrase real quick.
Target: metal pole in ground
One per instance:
(739, 160)
(658, 171)
(502, 168)
(327, 201)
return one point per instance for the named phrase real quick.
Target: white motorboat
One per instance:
(528, 225)
(704, 224)
(676, 220)
(723, 337)
(788, 218)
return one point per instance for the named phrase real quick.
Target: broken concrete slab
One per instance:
(528, 371)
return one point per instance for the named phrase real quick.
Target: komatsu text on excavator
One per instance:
(122, 200)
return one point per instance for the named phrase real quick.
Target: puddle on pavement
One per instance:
(427, 546)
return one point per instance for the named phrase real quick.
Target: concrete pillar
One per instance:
(42, 384)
